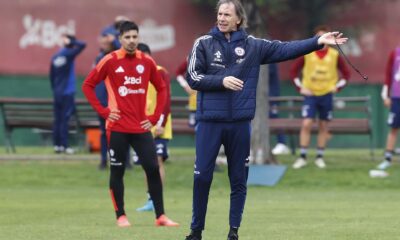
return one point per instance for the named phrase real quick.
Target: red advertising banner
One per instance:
(31, 31)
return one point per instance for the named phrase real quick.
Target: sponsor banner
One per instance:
(32, 29)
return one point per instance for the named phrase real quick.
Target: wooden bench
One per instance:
(180, 116)
(38, 113)
(290, 120)
(351, 115)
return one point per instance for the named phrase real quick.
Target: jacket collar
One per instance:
(238, 35)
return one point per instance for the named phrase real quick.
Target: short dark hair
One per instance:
(127, 26)
(240, 12)
(144, 48)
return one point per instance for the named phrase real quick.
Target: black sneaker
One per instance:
(233, 235)
(192, 237)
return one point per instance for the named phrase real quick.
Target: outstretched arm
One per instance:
(277, 51)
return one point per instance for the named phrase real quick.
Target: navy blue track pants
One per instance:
(235, 137)
(64, 108)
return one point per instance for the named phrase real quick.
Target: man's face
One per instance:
(105, 44)
(227, 20)
(129, 40)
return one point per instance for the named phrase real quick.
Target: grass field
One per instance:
(68, 199)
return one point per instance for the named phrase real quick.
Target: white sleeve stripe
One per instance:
(192, 63)
(265, 40)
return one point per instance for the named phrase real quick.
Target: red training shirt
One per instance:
(126, 78)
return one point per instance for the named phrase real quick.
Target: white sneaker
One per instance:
(383, 165)
(320, 163)
(58, 149)
(69, 151)
(378, 173)
(299, 163)
(280, 148)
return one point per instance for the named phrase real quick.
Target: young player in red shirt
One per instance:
(127, 73)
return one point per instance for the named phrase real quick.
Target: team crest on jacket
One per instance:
(140, 68)
(239, 51)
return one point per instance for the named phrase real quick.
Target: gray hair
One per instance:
(240, 12)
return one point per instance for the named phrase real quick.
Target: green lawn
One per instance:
(68, 199)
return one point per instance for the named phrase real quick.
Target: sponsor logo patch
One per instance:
(132, 80)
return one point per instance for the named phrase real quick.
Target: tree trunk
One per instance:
(260, 145)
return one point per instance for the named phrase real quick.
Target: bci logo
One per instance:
(132, 80)
(45, 33)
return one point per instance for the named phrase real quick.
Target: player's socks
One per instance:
(303, 152)
(320, 152)
(388, 155)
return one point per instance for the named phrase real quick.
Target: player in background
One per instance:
(162, 131)
(391, 99)
(63, 81)
(319, 82)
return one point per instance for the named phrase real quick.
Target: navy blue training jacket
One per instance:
(213, 57)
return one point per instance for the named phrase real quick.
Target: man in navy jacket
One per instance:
(223, 68)
(63, 80)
